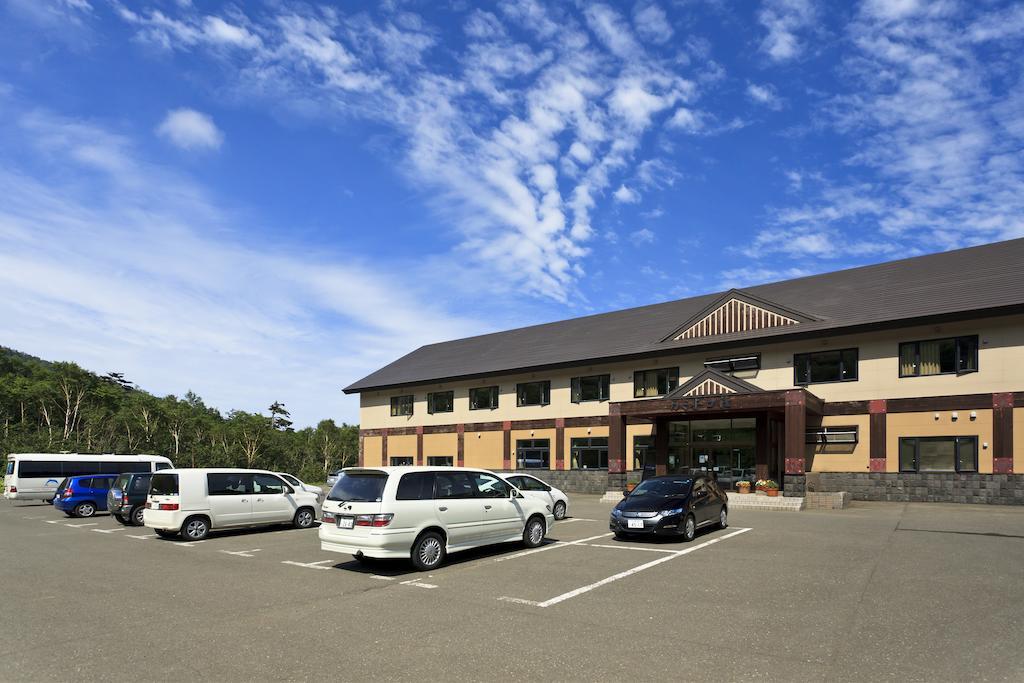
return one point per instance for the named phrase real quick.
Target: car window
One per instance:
(532, 484)
(226, 484)
(164, 485)
(102, 483)
(662, 487)
(453, 485)
(700, 487)
(416, 486)
(140, 484)
(291, 480)
(489, 486)
(359, 486)
(268, 483)
(162, 466)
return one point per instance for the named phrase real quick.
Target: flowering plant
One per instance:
(743, 482)
(767, 484)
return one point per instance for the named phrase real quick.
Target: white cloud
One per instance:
(764, 94)
(784, 20)
(190, 130)
(686, 120)
(625, 195)
(651, 23)
(641, 237)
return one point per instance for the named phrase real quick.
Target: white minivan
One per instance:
(35, 476)
(194, 501)
(423, 513)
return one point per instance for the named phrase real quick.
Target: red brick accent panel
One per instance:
(1002, 433)
(559, 443)
(796, 424)
(384, 446)
(419, 446)
(878, 410)
(460, 430)
(616, 444)
(506, 457)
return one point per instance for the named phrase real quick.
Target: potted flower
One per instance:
(759, 486)
(771, 487)
(743, 486)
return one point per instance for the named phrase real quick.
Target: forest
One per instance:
(50, 407)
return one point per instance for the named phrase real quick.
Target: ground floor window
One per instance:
(440, 460)
(400, 460)
(590, 453)
(939, 454)
(533, 454)
(643, 451)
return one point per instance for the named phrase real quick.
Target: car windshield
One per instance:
(359, 487)
(164, 485)
(121, 482)
(663, 487)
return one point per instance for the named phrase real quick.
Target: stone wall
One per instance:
(572, 481)
(997, 489)
(793, 485)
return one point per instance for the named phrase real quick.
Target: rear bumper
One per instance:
(165, 520)
(396, 544)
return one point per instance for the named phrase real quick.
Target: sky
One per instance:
(264, 202)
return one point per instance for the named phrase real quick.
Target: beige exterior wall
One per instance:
(484, 449)
(402, 446)
(373, 446)
(439, 444)
(925, 424)
(843, 458)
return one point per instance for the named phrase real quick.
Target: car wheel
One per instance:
(304, 518)
(559, 511)
(195, 529)
(137, 515)
(689, 528)
(428, 551)
(164, 533)
(85, 510)
(533, 534)
(723, 518)
(119, 518)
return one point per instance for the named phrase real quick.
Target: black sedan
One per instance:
(671, 506)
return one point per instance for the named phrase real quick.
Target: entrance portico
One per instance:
(714, 402)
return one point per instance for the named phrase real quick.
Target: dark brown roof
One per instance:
(970, 282)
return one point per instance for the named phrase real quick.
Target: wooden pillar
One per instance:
(384, 446)
(616, 443)
(506, 455)
(1002, 433)
(796, 426)
(359, 458)
(877, 411)
(660, 447)
(559, 443)
(419, 445)
(460, 447)
(763, 447)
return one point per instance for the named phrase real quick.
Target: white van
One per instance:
(194, 501)
(35, 476)
(423, 513)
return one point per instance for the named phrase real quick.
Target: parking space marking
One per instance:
(107, 531)
(240, 553)
(575, 519)
(621, 575)
(53, 521)
(143, 538)
(188, 544)
(381, 578)
(551, 546)
(629, 547)
(308, 565)
(77, 526)
(418, 584)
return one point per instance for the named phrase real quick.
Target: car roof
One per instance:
(402, 469)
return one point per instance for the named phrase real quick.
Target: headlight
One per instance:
(615, 512)
(673, 511)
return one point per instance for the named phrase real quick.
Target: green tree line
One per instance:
(52, 407)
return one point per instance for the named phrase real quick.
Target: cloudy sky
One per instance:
(267, 201)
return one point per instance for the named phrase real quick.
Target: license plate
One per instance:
(345, 522)
(634, 523)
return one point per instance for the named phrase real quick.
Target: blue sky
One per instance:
(267, 201)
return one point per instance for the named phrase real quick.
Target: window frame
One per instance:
(450, 458)
(604, 389)
(672, 381)
(246, 480)
(545, 393)
(956, 454)
(396, 405)
(573, 447)
(432, 397)
(546, 449)
(493, 396)
(810, 380)
(956, 345)
(709, 363)
(392, 463)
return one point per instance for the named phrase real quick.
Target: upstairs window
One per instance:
(440, 402)
(483, 398)
(825, 366)
(735, 364)
(647, 383)
(533, 393)
(592, 388)
(401, 405)
(955, 355)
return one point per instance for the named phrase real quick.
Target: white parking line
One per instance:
(240, 553)
(308, 565)
(107, 531)
(188, 544)
(418, 584)
(621, 575)
(77, 526)
(53, 521)
(575, 519)
(143, 538)
(551, 546)
(628, 547)
(381, 578)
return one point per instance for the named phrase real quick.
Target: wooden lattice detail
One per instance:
(735, 316)
(710, 387)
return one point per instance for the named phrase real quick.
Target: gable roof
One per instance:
(737, 311)
(711, 381)
(966, 283)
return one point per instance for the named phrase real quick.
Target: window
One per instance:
(956, 355)
(416, 486)
(643, 450)
(228, 484)
(489, 486)
(40, 469)
(533, 393)
(735, 364)
(533, 453)
(440, 402)
(292, 480)
(401, 405)
(592, 388)
(825, 366)
(164, 485)
(831, 435)
(140, 483)
(939, 454)
(162, 466)
(648, 383)
(400, 460)
(453, 485)
(76, 468)
(101, 483)
(269, 484)
(439, 460)
(483, 398)
(590, 453)
(358, 487)
(531, 484)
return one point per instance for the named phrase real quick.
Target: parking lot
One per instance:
(916, 592)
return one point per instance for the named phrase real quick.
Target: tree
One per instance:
(279, 417)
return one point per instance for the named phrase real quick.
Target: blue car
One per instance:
(83, 496)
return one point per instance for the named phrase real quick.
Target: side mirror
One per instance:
(289, 490)
(513, 494)
(625, 493)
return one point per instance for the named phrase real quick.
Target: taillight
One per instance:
(13, 489)
(68, 493)
(328, 517)
(167, 506)
(374, 520)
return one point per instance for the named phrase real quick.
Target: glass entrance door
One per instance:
(725, 447)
